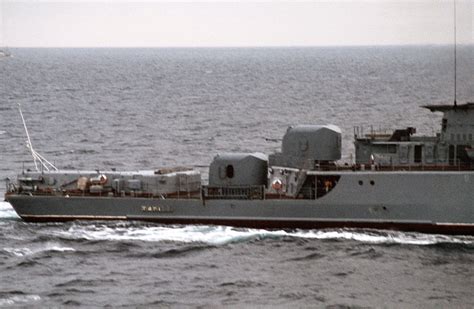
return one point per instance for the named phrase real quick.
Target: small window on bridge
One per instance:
(418, 153)
(229, 171)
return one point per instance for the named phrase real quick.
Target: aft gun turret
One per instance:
(309, 147)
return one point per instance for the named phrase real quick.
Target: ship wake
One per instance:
(223, 235)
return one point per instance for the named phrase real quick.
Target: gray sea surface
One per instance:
(151, 108)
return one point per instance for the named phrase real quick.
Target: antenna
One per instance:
(455, 66)
(36, 156)
(28, 141)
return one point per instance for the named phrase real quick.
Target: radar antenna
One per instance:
(36, 156)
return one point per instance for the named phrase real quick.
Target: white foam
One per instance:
(386, 237)
(18, 251)
(7, 211)
(214, 235)
(18, 300)
(221, 235)
(21, 252)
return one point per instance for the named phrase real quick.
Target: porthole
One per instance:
(229, 171)
(361, 182)
(372, 182)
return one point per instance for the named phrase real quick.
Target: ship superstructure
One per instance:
(451, 147)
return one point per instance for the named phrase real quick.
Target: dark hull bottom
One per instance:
(445, 228)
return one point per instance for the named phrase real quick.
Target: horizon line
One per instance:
(243, 46)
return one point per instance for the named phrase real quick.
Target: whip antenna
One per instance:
(36, 156)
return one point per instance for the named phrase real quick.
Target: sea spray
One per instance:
(222, 235)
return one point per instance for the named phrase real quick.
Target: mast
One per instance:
(455, 54)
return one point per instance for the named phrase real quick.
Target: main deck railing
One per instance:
(371, 132)
(234, 192)
(377, 167)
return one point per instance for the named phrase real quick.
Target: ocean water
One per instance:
(151, 108)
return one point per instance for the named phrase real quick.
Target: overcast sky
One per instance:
(36, 23)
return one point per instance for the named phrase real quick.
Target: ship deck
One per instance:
(392, 168)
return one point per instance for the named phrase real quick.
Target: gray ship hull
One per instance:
(432, 202)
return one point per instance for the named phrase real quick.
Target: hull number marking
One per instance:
(156, 208)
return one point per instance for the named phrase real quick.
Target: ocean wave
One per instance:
(48, 247)
(213, 235)
(222, 235)
(386, 237)
(17, 299)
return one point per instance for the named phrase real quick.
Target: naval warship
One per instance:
(398, 180)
